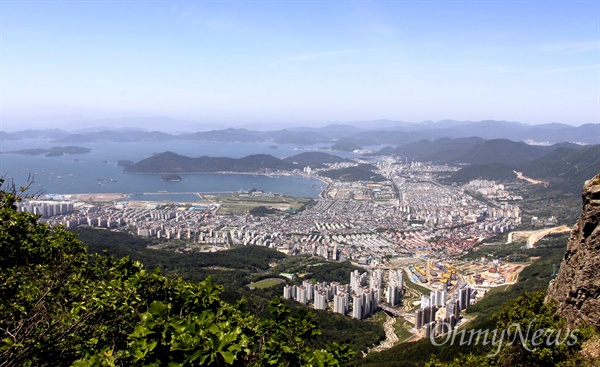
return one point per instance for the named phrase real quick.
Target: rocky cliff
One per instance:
(577, 285)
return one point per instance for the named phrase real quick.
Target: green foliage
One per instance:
(538, 333)
(530, 334)
(567, 169)
(331, 272)
(491, 171)
(169, 162)
(362, 172)
(62, 306)
(262, 211)
(238, 267)
(463, 360)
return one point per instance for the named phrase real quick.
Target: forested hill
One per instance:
(474, 150)
(315, 159)
(362, 172)
(564, 169)
(235, 269)
(169, 162)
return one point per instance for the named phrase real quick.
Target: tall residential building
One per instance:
(425, 301)
(287, 292)
(320, 301)
(340, 303)
(309, 290)
(301, 294)
(357, 307)
(419, 318)
(464, 296)
(392, 295)
(357, 280)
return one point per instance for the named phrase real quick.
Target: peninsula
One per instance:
(169, 162)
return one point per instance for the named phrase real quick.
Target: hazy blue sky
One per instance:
(302, 61)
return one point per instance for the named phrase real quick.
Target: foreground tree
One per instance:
(61, 306)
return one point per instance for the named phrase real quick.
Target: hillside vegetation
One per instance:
(362, 172)
(61, 306)
(235, 269)
(564, 169)
(169, 162)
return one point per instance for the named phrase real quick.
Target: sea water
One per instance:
(98, 172)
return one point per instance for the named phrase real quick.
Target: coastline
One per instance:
(108, 197)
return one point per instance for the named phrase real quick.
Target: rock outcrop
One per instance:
(577, 285)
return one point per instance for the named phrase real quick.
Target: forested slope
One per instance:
(61, 306)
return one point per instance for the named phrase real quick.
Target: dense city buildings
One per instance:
(408, 215)
(426, 216)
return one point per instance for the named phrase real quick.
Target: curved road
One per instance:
(390, 335)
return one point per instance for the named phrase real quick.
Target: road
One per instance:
(390, 335)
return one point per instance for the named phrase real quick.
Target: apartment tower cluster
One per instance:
(360, 298)
(45, 208)
(439, 313)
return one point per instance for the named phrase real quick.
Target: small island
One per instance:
(52, 152)
(171, 178)
(345, 146)
(125, 163)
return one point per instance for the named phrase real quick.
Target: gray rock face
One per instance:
(577, 285)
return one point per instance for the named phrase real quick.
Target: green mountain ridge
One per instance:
(474, 150)
(315, 159)
(169, 162)
(362, 172)
(564, 168)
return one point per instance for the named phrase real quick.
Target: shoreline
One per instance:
(111, 196)
(319, 193)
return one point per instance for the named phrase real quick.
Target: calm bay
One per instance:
(98, 172)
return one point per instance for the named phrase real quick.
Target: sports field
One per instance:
(265, 283)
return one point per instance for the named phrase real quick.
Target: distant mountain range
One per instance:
(360, 134)
(51, 134)
(169, 162)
